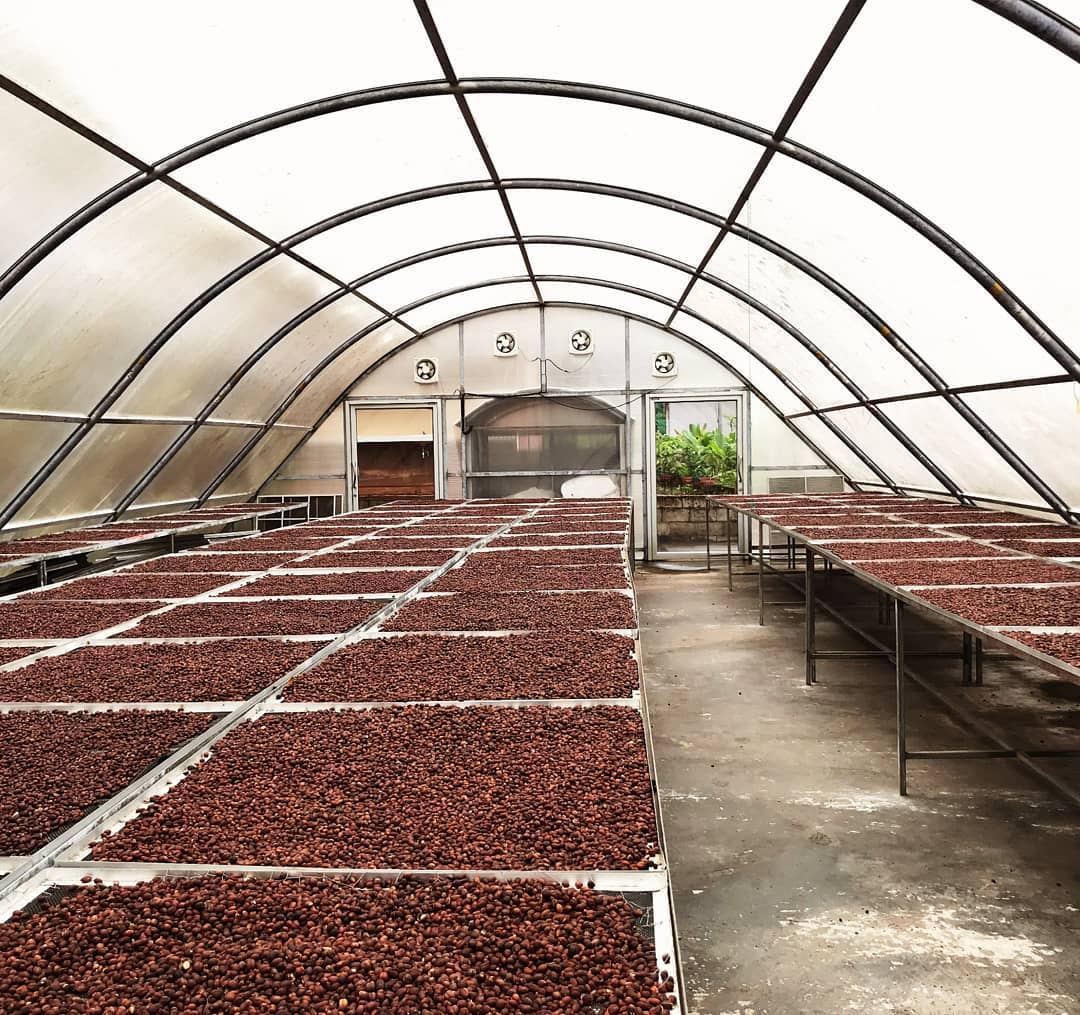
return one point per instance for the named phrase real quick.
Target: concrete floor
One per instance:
(804, 883)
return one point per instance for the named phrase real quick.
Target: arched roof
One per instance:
(864, 208)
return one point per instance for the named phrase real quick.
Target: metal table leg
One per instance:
(811, 620)
(727, 530)
(966, 654)
(708, 540)
(901, 698)
(761, 572)
(978, 662)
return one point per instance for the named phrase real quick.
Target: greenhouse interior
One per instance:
(565, 508)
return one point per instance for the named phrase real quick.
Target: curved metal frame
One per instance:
(1030, 16)
(289, 399)
(781, 322)
(601, 308)
(1025, 472)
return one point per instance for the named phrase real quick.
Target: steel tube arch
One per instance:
(630, 315)
(1055, 502)
(389, 269)
(602, 283)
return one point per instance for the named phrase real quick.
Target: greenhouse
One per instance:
(546, 509)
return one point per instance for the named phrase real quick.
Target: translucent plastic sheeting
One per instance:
(292, 177)
(432, 314)
(207, 452)
(484, 371)
(883, 449)
(933, 424)
(618, 220)
(592, 262)
(597, 141)
(282, 366)
(120, 69)
(370, 374)
(339, 375)
(99, 471)
(381, 238)
(1042, 425)
(771, 342)
(24, 445)
(34, 200)
(447, 272)
(604, 369)
(197, 360)
(695, 369)
(259, 464)
(834, 448)
(941, 311)
(823, 317)
(103, 295)
(935, 138)
(726, 56)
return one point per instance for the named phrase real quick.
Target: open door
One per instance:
(394, 453)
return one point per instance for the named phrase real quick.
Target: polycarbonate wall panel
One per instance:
(1042, 425)
(627, 147)
(933, 424)
(730, 56)
(199, 358)
(24, 446)
(835, 449)
(47, 172)
(440, 311)
(604, 369)
(317, 466)
(99, 471)
(591, 262)
(941, 311)
(394, 376)
(289, 178)
(260, 463)
(824, 318)
(263, 388)
(770, 341)
(935, 137)
(205, 454)
(883, 449)
(72, 327)
(381, 238)
(618, 220)
(121, 70)
(450, 271)
(774, 446)
(486, 372)
(695, 368)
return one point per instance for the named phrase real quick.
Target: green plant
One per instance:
(716, 452)
(669, 455)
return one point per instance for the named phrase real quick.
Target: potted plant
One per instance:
(693, 462)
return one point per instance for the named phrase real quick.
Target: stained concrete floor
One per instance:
(803, 882)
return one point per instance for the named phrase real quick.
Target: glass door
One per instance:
(696, 453)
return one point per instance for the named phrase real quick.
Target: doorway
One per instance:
(696, 452)
(394, 453)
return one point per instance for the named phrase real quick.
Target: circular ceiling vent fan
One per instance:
(580, 342)
(426, 371)
(664, 365)
(505, 344)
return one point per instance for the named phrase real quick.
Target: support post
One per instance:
(811, 621)
(967, 656)
(978, 662)
(901, 698)
(43, 572)
(761, 572)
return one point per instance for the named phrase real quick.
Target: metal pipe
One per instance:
(811, 621)
(901, 697)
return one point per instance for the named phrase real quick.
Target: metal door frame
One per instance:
(351, 439)
(738, 395)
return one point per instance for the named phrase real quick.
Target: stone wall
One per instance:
(682, 517)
